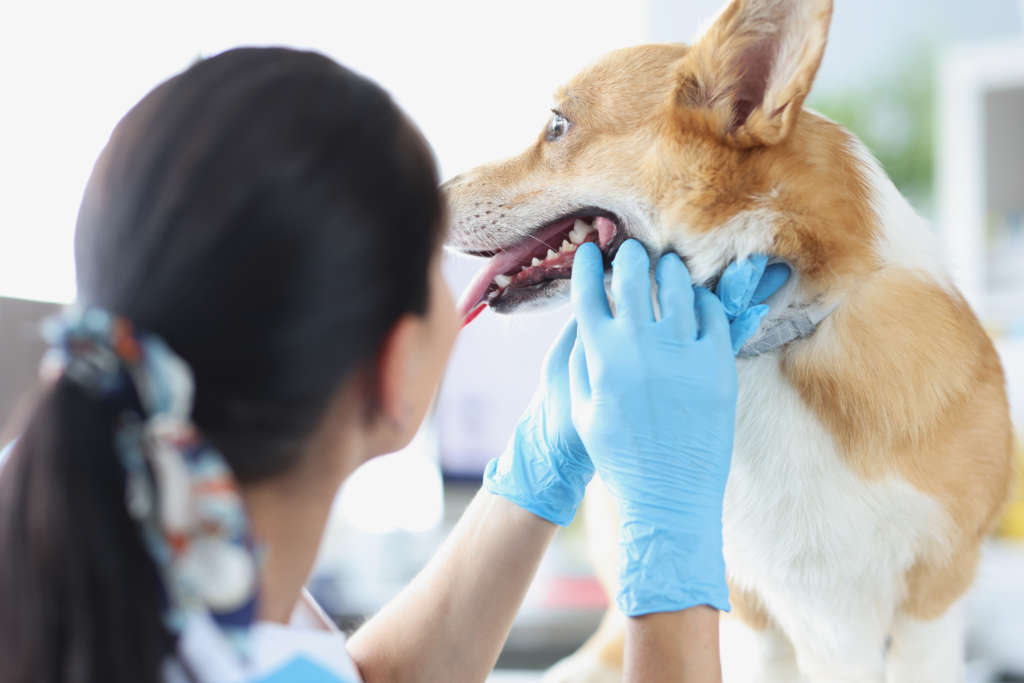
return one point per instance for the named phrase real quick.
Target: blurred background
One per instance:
(934, 87)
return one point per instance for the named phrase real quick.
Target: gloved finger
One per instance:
(589, 302)
(774, 277)
(745, 325)
(738, 282)
(711, 318)
(557, 361)
(579, 376)
(675, 296)
(631, 283)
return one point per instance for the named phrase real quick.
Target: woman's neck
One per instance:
(288, 514)
(288, 527)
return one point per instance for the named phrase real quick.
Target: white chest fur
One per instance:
(824, 549)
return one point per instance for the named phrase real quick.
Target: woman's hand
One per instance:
(654, 402)
(545, 468)
(744, 285)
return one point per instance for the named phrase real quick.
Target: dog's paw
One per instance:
(582, 668)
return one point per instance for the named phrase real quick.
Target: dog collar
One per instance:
(794, 323)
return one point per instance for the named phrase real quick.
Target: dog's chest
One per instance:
(796, 514)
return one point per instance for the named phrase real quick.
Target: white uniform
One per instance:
(279, 654)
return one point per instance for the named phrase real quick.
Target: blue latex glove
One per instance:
(745, 284)
(654, 402)
(545, 468)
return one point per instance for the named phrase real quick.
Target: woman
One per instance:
(261, 311)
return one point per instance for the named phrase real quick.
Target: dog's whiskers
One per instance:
(527, 234)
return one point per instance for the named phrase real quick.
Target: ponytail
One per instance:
(80, 598)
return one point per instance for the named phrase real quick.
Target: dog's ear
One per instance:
(748, 75)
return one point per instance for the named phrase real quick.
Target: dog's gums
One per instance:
(541, 258)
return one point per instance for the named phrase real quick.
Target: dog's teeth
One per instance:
(535, 262)
(502, 280)
(566, 246)
(579, 231)
(551, 255)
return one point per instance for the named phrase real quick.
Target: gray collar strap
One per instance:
(796, 322)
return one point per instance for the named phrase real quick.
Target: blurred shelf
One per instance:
(980, 166)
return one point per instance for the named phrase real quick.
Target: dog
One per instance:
(873, 439)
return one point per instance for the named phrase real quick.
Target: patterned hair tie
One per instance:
(179, 489)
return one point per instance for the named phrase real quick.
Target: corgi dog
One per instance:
(873, 440)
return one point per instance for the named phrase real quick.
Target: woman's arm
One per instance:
(450, 623)
(672, 647)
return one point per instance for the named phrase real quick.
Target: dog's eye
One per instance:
(558, 127)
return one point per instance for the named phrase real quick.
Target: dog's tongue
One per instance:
(474, 293)
(605, 231)
(472, 301)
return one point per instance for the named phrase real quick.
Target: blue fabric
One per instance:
(303, 670)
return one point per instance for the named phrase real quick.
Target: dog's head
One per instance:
(703, 150)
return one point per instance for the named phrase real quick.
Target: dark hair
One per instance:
(270, 215)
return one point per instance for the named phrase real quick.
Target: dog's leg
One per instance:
(756, 655)
(928, 649)
(838, 635)
(863, 662)
(754, 649)
(928, 632)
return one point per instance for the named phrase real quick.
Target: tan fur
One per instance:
(827, 225)
(688, 174)
(902, 374)
(747, 606)
(921, 396)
